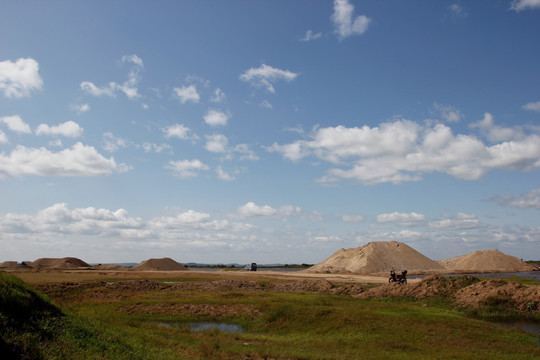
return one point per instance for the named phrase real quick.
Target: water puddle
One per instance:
(528, 326)
(201, 326)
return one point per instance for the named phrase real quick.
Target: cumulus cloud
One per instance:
(222, 175)
(185, 169)
(15, 123)
(219, 96)
(403, 150)
(128, 87)
(344, 24)
(216, 118)
(495, 132)
(218, 143)
(250, 209)
(518, 5)
(178, 131)
(529, 200)
(265, 76)
(79, 109)
(20, 78)
(113, 143)
(3, 138)
(187, 93)
(68, 129)
(352, 218)
(79, 160)
(448, 113)
(459, 222)
(533, 106)
(401, 218)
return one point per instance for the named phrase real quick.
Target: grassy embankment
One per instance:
(127, 323)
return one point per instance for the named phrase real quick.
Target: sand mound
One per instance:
(163, 264)
(485, 261)
(376, 257)
(14, 264)
(59, 263)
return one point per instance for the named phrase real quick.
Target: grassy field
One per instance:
(148, 319)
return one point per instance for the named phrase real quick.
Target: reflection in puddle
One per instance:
(201, 326)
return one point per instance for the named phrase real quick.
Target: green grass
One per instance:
(278, 326)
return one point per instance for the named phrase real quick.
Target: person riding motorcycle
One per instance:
(402, 279)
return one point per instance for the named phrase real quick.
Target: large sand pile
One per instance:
(376, 257)
(59, 263)
(163, 264)
(484, 261)
(14, 264)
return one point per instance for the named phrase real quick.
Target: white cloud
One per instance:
(15, 123)
(3, 138)
(68, 129)
(128, 87)
(265, 104)
(20, 78)
(222, 175)
(448, 113)
(149, 147)
(352, 218)
(216, 143)
(216, 118)
(178, 131)
(460, 222)
(342, 18)
(265, 76)
(79, 160)
(219, 96)
(309, 36)
(79, 109)
(94, 90)
(529, 200)
(250, 209)
(186, 168)
(187, 93)
(494, 132)
(533, 106)
(113, 143)
(133, 59)
(457, 10)
(402, 218)
(403, 150)
(519, 5)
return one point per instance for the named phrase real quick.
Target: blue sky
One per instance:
(268, 131)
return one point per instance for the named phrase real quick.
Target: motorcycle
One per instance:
(402, 279)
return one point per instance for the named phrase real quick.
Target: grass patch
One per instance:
(120, 324)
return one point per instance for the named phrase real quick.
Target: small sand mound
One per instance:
(15, 264)
(437, 285)
(486, 261)
(376, 257)
(60, 263)
(163, 264)
(501, 293)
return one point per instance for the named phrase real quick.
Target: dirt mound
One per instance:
(432, 286)
(15, 264)
(376, 257)
(486, 261)
(502, 294)
(59, 263)
(163, 264)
